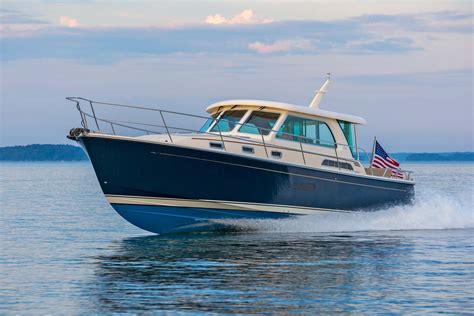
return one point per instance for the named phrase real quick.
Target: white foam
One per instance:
(430, 212)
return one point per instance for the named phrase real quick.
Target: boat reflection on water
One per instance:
(249, 273)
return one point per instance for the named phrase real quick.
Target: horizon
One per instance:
(405, 67)
(73, 144)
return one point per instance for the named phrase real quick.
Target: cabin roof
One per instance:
(288, 107)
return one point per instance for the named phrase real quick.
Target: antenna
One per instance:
(320, 93)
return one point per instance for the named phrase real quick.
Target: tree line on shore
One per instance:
(39, 152)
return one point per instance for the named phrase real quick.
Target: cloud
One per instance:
(376, 35)
(438, 22)
(67, 21)
(8, 16)
(216, 19)
(14, 23)
(392, 45)
(245, 17)
(452, 15)
(280, 46)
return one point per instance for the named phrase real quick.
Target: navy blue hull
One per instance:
(140, 169)
(162, 219)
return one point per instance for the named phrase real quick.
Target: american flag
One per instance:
(382, 160)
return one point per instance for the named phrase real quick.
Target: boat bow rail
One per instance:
(173, 124)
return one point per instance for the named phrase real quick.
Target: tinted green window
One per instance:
(208, 123)
(259, 121)
(228, 120)
(307, 130)
(348, 132)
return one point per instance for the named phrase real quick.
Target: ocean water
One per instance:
(63, 250)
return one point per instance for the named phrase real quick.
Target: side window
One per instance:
(347, 130)
(259, 121)
(307, 130)
(228, 120)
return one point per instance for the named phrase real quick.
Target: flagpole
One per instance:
(373, 153)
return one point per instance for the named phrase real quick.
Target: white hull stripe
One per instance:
(214, 204)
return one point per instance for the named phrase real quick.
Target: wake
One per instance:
(429, 212)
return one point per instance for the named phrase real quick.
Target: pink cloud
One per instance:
(280, 46)
(245, 17)
(67, 21)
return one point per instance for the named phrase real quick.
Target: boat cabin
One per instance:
(290, 132)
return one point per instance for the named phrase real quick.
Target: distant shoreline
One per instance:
(467, 156)
(52, 152)
(43, 152)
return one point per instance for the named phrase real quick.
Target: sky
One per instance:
(405, 66)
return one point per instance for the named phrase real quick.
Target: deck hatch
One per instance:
(276, 154)
(248, 149)
(216, 145)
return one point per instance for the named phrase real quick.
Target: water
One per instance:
(63, 250)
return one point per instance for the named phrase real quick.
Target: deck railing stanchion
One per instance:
(83, 117)
(112, 126)
(263, 140)
(166, 126)
(83, 120)
(95, 117)
(302, 151)
(337, 157)
(220, 134)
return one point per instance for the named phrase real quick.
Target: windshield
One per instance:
(260, 122)
(228, 121)
(208, 123)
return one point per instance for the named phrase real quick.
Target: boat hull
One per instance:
(170, 219)
(167, 188)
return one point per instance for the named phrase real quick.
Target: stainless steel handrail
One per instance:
(74, 99)
(215, 122)
(299, 137)
(222, 137)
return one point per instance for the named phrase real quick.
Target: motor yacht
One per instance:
(250, 159)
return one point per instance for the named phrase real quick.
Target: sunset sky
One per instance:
(405, 66)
